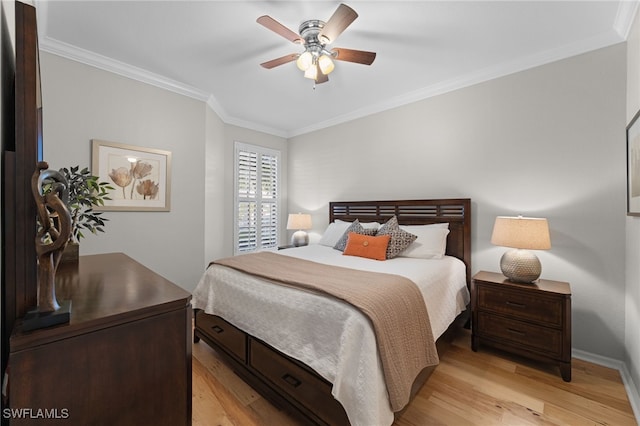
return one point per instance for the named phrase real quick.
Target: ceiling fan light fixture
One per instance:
(311, 72)
(326, 64)
(305, 61)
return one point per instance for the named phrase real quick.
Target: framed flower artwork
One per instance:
(633, 167)
(141, 177)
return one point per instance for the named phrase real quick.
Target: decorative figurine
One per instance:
(50, 190)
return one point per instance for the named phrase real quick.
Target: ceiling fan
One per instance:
(317, 59)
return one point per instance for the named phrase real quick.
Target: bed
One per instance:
(315, 355)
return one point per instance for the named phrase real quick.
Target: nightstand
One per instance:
(531, 320)
(288, 246)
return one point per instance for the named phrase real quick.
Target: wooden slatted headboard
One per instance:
(457, 212)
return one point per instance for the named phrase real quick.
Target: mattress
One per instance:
(331, 336)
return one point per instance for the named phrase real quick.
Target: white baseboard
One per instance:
(633, 392)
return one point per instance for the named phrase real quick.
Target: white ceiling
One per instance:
(211, 50)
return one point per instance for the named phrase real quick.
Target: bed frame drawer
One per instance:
(297, 381)
(230, 338)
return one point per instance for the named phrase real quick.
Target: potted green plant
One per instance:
(85, 192)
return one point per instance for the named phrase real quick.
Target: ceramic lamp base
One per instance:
(300, 238)
(520, 266)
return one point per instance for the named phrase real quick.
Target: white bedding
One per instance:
(331, 336)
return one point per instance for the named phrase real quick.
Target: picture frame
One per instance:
(141, 177)
(633, 166)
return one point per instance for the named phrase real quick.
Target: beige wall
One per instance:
(632, 290)
(544, 142)
(216, 181)
(81, 103)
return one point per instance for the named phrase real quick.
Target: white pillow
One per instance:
(370, 225)
(431, 225)
(365, 225)
(431, 242)
(333, 233)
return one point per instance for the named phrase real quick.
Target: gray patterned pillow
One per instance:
(400, 239)
(354, 227)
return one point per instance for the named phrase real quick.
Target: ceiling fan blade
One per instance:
(339, 21)
(279, 61)
(357, 56)
(278, 28)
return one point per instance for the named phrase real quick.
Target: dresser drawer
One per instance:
(526, 306)
(295, 380)
(225, 334)
(525, 335)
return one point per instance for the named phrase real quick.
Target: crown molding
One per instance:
(87, 57)
(227, 119)
(74, 53)
(624, 18)
(258, 127)
(563, 52)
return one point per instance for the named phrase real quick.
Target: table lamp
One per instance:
(300, 222)
(522, 234)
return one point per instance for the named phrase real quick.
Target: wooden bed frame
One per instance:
(292, 385)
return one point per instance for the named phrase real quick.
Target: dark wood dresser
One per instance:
(532, 320)
(124, 358)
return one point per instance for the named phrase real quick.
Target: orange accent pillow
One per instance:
(367, 246)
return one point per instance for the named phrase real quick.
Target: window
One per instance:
(257, 197)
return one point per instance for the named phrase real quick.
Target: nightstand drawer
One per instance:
(538, 338)
(526, 306)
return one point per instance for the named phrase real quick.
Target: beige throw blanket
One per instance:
(394, 305)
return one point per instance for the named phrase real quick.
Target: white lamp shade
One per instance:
(304, 61)
(529, 233)
(299, 221)
(311, 72)
(326, 64)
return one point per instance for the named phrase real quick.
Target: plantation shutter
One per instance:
(257, 198)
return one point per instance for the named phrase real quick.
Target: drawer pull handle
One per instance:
(217, 329)
(291, 380)
(516, 305)
(518, 332)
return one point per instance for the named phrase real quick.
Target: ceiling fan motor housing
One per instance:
(310, 29)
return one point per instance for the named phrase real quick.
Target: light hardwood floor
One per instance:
(467, 388)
